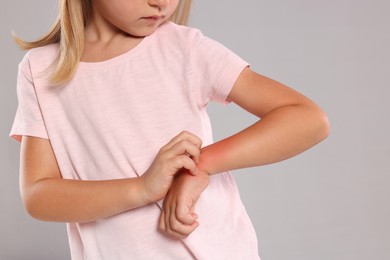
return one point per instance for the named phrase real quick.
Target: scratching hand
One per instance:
(181, 153)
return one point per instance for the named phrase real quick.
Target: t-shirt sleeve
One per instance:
(215, 69)
(28, 119)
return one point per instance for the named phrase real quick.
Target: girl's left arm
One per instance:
(289, 123)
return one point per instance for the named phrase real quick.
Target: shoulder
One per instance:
(39, 59)
(183, 40)
(37, 62)
(184, 34)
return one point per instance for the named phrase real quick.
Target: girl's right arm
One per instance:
(48, 197)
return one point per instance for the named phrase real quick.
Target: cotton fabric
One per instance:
(110, 121)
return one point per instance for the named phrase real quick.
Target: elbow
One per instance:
(326, 127)
(322, 126)
(33, 204)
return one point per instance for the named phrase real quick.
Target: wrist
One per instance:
(144, 198)
(196, 183)
(206, 161)
(202, 170)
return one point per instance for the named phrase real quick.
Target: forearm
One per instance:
(281, 134)
(82, 201)
(49, 197)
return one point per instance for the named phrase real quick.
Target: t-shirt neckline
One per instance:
(117, 59)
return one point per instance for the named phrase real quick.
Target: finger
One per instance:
(184, 161)
(185, 135)
(185, 214)
(182, 147)
(185, 147)
(178, 229)
(167, 213)
(171, 225)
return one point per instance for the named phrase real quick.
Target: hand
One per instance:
(182, 152)
(178, 218)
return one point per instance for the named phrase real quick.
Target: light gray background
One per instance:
(331, 202)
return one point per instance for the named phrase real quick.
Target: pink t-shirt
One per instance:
(110, 121)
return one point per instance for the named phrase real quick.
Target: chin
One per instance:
(141, 34)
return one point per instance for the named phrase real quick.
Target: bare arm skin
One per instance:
(290, 124)
(49, 197)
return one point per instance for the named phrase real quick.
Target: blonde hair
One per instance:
(68, 31)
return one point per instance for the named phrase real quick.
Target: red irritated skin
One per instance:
(290, 124)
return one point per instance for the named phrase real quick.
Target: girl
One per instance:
(112, 119)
